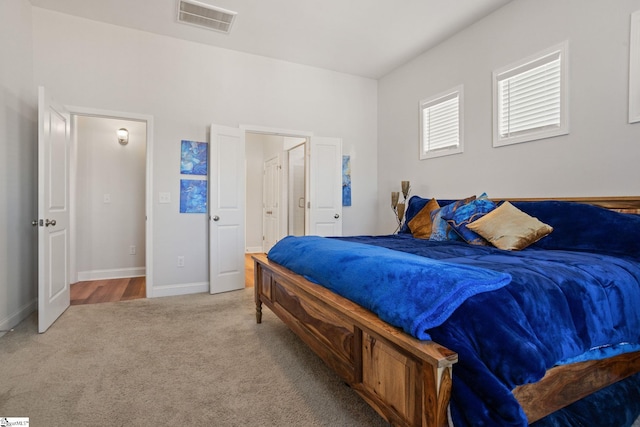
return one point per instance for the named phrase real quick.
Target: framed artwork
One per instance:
(193, 196)
(346, 180)
(194, 157)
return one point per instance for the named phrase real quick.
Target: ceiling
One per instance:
(367, 38)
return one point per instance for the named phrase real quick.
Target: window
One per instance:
(530, 98)
(441, 124)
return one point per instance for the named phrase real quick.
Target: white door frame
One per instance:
(93, 112)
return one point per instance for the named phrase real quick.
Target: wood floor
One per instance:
(97, 291)
(248, 268)
(112, 290)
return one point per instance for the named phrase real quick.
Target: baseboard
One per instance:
(178, 289)
(254, 250)
(114, 273)
(14, 318)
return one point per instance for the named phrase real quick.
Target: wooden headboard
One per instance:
(624, 204)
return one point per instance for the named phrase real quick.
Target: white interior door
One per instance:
(271, 207)
(54, 137)
(226, 209)
(325, 186)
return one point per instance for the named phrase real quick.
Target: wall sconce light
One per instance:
(123, 136)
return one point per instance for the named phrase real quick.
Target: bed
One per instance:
(455, 362)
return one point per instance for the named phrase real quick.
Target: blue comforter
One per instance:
(558, 306)
(393, 289)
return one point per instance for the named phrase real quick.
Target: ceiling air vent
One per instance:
(205, 16)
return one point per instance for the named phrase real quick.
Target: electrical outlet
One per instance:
(180, 261)
(132, 250)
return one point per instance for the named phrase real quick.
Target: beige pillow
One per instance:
(508, 228)
(420, 225)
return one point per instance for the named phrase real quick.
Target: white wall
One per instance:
(598, 158)
(186, 86)
(18, 164)
(253, 218)
(106, 229)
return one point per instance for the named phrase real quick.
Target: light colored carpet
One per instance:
(190, 360)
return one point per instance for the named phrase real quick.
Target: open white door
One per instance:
(226, 209)
(325, 186)
(54, 136)
(271, 206)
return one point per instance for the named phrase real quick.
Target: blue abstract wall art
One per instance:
(346, 180)
(193, 196)
(193, 158)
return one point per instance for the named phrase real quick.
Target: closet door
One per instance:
(270, 203)
(325, 186)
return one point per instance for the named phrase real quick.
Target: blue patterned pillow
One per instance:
(414, 206)
(465, 215)
(440, 230)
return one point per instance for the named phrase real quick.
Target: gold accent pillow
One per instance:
(420, 225)
(508, 228)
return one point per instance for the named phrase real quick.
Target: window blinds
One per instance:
(529, 97)
(441, 125)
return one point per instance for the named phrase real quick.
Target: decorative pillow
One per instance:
(583, 227)
(415, 205)
(420, 225)
(459, 219)
(440, 230)
(508, 228)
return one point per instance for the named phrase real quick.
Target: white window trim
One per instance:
(510, 70)
(434, 100)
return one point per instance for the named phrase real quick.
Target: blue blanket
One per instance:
(408, 291)
(558, 305)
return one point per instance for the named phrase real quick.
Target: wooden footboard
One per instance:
(565, 384)
(407, 381)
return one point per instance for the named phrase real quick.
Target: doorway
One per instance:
(108, 187)
(275, 182)
(234, 203)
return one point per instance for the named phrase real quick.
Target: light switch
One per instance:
(164, 198)
(106, 198)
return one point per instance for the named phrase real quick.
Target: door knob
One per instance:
(336, 216)
(216, 218)
(49, 222)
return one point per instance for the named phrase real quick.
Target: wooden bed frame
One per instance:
(408, 381)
